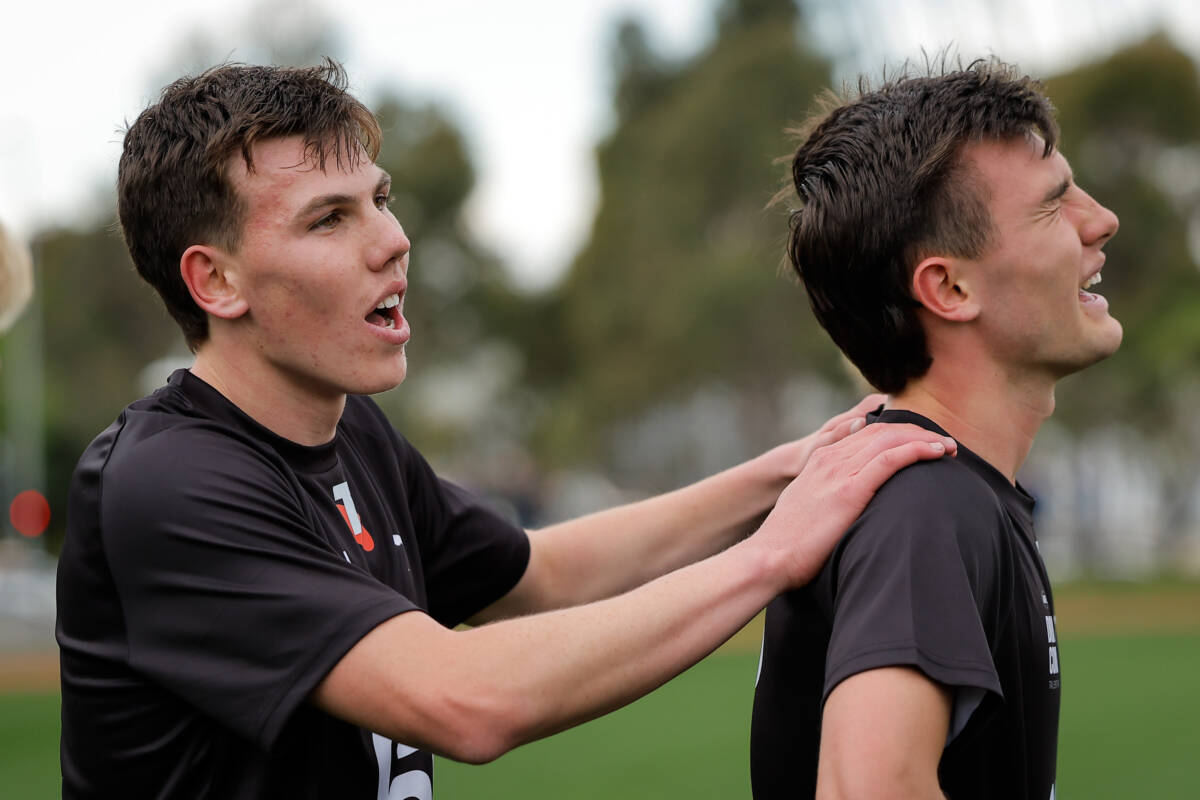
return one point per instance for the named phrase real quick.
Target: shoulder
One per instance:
(153, 465)
(931, 507)
(153, 444)
(945, 486)
(168, 431)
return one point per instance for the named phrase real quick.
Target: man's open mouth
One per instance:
(1090, 297)
(387, 313)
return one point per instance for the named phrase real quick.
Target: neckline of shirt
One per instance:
(1014, 496)
(201, 394)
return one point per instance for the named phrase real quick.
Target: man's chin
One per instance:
(1112, 343)
(1102, 346)
(385, 381)
(1095, 350)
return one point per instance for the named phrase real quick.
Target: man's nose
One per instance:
(391, 242)
(1100, 225)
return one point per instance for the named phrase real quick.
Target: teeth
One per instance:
(391, 301)
(1092, 281)
(389, 323)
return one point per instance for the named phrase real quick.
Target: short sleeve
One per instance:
(914, 579)
(472, 556)
(230, 598)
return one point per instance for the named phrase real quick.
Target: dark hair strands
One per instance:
(879, 181)
(173, 185)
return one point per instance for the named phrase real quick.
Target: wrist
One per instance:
(767, 567)
(772, 471)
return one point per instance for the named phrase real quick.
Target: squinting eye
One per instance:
(327, 221)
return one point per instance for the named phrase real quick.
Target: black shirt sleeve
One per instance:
(471, 555)
(230, 598)
(914, 579)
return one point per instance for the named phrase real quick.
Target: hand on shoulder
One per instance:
(835, 485)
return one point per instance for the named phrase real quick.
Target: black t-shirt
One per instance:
(213, 573)
(940, 573)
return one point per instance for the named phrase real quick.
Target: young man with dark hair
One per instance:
(947, 250)
(261, 579)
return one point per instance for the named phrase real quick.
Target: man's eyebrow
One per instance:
(1058, 191)
(324, 201)
(340, 198)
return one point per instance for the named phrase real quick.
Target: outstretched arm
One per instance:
(605, 553)
(472, 695)
(882, 735)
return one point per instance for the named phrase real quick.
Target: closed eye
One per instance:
(1055, 195)
(328, 221)
(1053, 200)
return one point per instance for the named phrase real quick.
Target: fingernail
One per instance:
(937, 447)
(949, 442)
(857, 424)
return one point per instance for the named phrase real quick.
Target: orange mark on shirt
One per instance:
(364, 539)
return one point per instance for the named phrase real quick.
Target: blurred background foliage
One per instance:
(674, 344)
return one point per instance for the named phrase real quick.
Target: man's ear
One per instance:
(943, 287)
(204, 270)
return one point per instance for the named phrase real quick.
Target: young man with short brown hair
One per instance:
(948, 251)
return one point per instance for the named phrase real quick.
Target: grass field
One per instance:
(1131, 705)
(1129, 730)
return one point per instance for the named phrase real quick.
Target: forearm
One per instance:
(612, 551)
(474, 694)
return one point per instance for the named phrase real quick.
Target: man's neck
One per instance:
(297, 413)
(987, 411)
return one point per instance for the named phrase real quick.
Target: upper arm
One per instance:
(913, 596)
(915, 583)
(471, 555)
(530, 594)
(882, 734)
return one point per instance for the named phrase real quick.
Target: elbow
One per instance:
(476, 748)
(479, 727)
(479, 744)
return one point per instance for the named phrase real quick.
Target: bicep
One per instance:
(471, 556)
(532, 592)
(882, 734)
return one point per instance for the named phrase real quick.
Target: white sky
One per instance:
(526, 80)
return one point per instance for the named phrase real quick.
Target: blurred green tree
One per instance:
(679, 284)
(1131, 129)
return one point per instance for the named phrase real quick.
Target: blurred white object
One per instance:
(16, 278)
